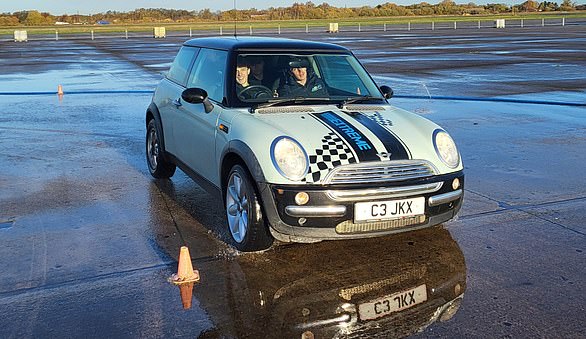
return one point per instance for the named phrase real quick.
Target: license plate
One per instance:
(389, 209)
(392, 303)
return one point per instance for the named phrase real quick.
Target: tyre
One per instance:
(159, 167)
(246, 223)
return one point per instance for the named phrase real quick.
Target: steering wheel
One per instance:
(256, 92)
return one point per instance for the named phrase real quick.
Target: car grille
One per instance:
(348, 227)
(380, 172)
(416, 273)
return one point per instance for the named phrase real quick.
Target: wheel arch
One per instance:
(153, 113)
(258, 235)
(237, 152)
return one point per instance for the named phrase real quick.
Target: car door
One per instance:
(195, 130)
(168, 95)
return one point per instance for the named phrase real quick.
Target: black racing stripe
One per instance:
(363, 147)
(393, 145)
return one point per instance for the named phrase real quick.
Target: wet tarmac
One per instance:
(89, 239)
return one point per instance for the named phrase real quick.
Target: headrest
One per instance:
(298, 63)
(254, 60)
(242, 62)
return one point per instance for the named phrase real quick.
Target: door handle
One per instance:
(176, 102)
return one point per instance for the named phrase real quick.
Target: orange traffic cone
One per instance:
(186, 291)
(59, 90)
(185, 272)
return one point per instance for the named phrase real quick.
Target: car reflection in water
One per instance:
(393, 286)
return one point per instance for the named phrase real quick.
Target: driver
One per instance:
(245, 89)
(301, 81)
(242, 72)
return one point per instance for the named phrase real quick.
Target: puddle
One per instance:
(6, 224)
(291, 289)
(163, 65)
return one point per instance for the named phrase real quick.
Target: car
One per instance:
(299, 142)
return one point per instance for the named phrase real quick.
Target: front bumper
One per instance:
(329, 214)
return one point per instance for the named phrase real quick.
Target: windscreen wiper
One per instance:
(364, 98)
(285, 101)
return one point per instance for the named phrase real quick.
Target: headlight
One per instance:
(446, 148)
(289, 158)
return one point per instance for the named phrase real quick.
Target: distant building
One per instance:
(61, 23)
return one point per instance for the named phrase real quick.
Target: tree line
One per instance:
(297, 11)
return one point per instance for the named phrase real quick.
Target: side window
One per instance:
(178, 71)
(208, 73)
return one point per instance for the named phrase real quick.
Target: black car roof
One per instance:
(264, 44)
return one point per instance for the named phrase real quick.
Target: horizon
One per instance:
(70, 7)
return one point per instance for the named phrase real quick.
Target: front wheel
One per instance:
(158, 166)
(243, 209)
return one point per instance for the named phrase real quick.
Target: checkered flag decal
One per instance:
(334, 152)
(379, 119)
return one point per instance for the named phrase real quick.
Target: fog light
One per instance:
(456, 184)
(301, 198)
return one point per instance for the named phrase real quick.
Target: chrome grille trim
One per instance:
(348, 226)
(315, 211)
(383, 192)
(380, 172)
(445, 198)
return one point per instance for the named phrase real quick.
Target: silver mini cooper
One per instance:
(299, 142)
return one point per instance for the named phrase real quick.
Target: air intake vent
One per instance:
(296, 109)
(348, 227)
(364, 108)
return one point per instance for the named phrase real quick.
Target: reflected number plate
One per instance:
(393, 303)
(390, 209)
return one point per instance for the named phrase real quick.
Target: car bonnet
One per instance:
(332, 137)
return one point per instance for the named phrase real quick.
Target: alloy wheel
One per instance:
(153, 149)
(237, 207)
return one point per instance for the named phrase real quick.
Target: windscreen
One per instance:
(262, 78)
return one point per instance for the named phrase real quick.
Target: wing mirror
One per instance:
(386, 91)
(197, 96)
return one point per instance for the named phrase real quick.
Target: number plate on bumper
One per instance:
(393, 303)
(389, 209)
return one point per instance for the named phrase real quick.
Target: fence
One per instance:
(277, 30)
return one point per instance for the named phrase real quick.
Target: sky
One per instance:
(58, 7)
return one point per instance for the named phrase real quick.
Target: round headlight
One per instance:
(289, 158)
(446, 148)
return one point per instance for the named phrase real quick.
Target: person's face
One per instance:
(257, 68)
(300, 73)
(242, 75)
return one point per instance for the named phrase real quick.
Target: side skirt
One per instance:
(212, 189)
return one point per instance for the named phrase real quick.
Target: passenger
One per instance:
(256, 77)
(259, 77)
(301, 82)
